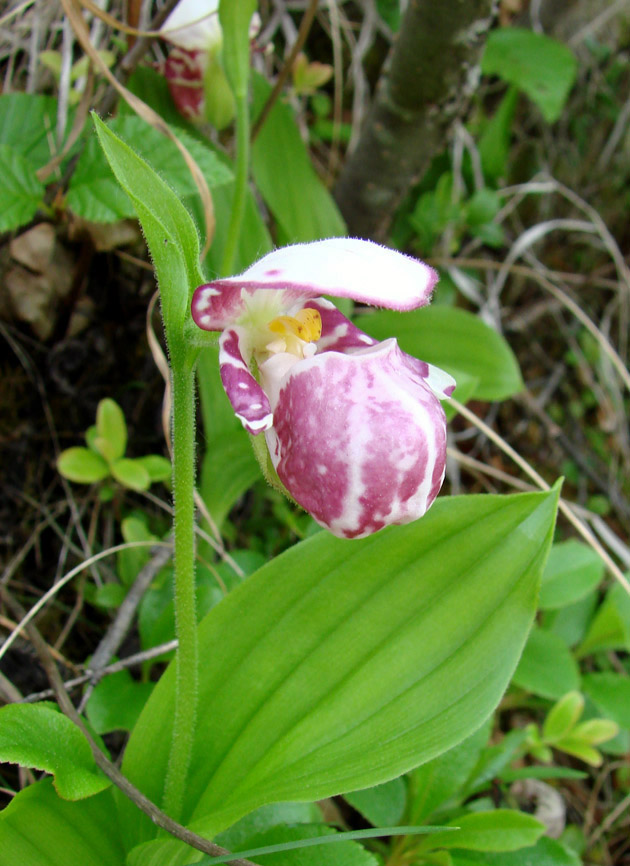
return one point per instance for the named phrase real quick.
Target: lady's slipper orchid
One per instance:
(354, 427)
(193, 68)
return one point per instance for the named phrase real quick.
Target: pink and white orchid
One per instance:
(354, 427)
(193, 69)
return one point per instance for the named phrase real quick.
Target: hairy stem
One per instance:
(186, 692)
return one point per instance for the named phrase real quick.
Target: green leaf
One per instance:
(563, 716)
(229, 468)
(111, 426)
(496, 830)
(546, 852)
(494, 759)
(547, 667)
(383, 805)
(38, 828)
(580, 749)
(21, 194)
(341, 854)
(482, 207)
(611, 693)
(109, 595)
(541, 67)
(300, 203)
(573, 570)
(238, 836)
(159, 468)
(351, 662)
(464, 391)
(319, 839)
(454, 340)
(82, 465)
(168, 229)
(94, 193)
(27, 124)
(130, 473)
(131, 560)
(596, 731)
(572, 621)
(611, 627)
(39, 736)
(439, 780)
(541, 772)
(389, 11)
(494, 144)
(116, 703)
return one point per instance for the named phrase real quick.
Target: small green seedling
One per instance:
(561, 731)
(104, 458)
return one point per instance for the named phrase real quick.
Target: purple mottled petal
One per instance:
(249, 401)
(338, 332)
(439, 381)
(343, 267)
(340, 335)
(359, 440)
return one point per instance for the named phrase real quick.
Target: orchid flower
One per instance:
(193, 70)
(354, 427)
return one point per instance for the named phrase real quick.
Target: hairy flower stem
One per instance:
(240, 184)
(186, 693)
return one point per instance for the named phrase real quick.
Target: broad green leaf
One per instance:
(496, 830)
(611, 693)
(541, 67)
(341, 854)
(464, 390)
(571, 622)
(437, 781)
(610, 628)
(348, 663)
(547, 667)
(116, 703)
(82, 465)
(38, 828)
(546, 852)
(281, 167)
(238, 836)
(454, 340)
(94, 193)
(130, 473)
(21, 193)
(111, 426)
(383, 805)
(229, 468)
(573, 570)
(168, 228)
(27, 124)
(39, 736)
(158, 467)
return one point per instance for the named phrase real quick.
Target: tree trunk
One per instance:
(427, 83)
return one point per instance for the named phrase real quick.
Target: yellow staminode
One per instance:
(307, 325)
